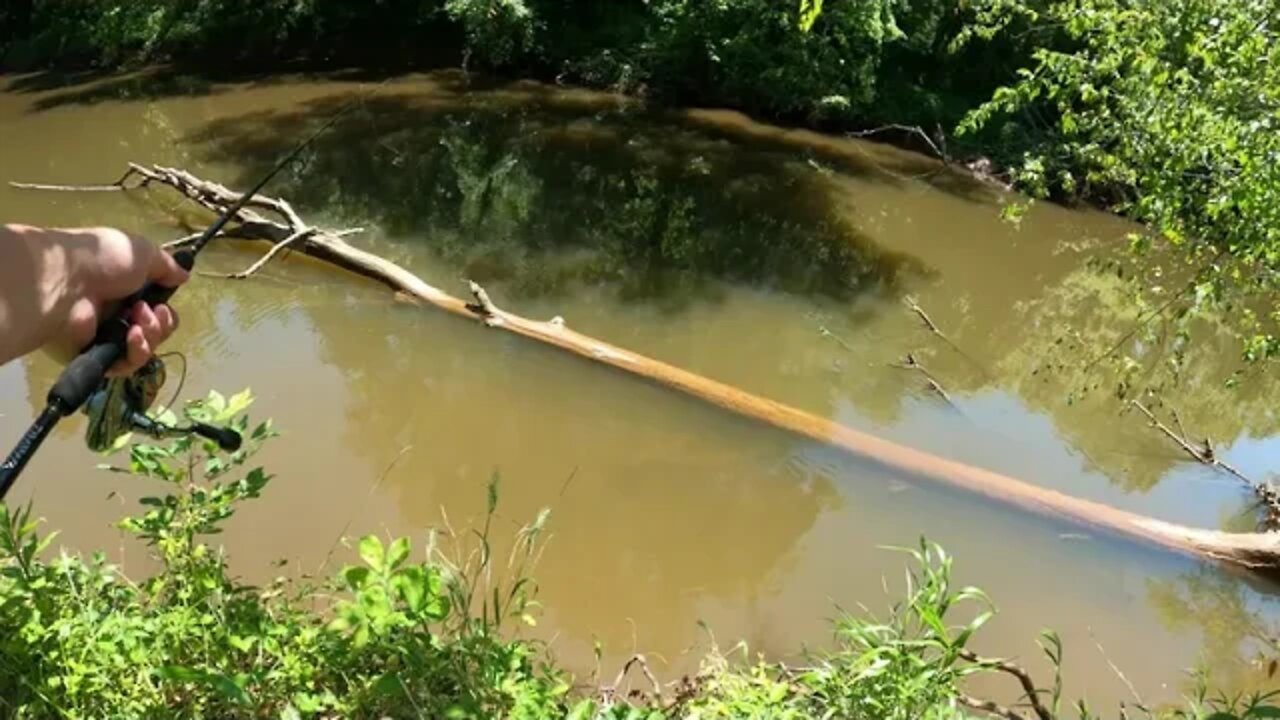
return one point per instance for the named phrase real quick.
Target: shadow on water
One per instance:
(64, 88)
(888, 163)
(540, 192)
(93, 87)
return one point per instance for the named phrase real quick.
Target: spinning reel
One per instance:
(120, 405)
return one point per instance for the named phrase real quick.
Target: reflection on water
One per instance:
(773, 259)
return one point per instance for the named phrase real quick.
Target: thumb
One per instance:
(164, 270)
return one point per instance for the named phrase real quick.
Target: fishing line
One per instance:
(182, 378)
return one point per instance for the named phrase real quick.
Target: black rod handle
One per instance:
(12, 466)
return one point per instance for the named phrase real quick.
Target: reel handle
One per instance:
(227, 439)
(85, 373)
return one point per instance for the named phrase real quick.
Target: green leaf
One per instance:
(356, 576)
(397, 553)
(216, 402)
(238, 403)
(584, 710)
(371, 552)
(809, 12)
(387, 686)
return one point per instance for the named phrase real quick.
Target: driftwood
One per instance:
(1254, 551)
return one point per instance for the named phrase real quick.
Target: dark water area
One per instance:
(774, 259)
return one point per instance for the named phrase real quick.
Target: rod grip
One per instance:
(86, 372)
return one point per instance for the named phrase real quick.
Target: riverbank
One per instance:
(437, 634)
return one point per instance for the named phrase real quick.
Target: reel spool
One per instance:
(120, 405)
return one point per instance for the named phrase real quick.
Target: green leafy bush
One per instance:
(1168, 110)
(79, 639)
(396, 637)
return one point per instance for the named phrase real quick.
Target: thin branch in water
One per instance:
(1202, 453)
(373, 489)
(1142, 705)
(824, 332)
(911, 363)
(914, 307)
(1268, 496)
(1144, 320)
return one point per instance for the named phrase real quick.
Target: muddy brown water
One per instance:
(777, 260)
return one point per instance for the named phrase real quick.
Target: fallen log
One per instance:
(1253, 551)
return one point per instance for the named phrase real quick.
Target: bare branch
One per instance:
(1202, 453)
(989, 707)
(911, 363)
(612, 690)
(483, 306)
(1024, 678)
(116, 186)
(1268, 495)
(910, 130)
(914, 307)
(275, 250)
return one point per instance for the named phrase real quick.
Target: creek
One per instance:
(777, 260)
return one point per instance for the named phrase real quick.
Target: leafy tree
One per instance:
(1168, 111)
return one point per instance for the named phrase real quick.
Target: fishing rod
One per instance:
(119, 405)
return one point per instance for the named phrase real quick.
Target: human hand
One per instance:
(81, 275)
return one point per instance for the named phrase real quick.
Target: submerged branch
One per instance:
(911, 363)
(914, 307)
(274, 221)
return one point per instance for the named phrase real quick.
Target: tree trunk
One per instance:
(1258, 552)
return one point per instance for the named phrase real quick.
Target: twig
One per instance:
(931, 382)
(988, 706)
(824, 332)
(66, 188)
(483, 306)
(1024, 678)
(1142, 705)
(116, 186)
(637, 659)
(928, 321)
(275, 250)
(1268, 495)
(1203, 454)
(385, 473)
(1144, 320)
(914, 307)
(910, 130)
(184, 240)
